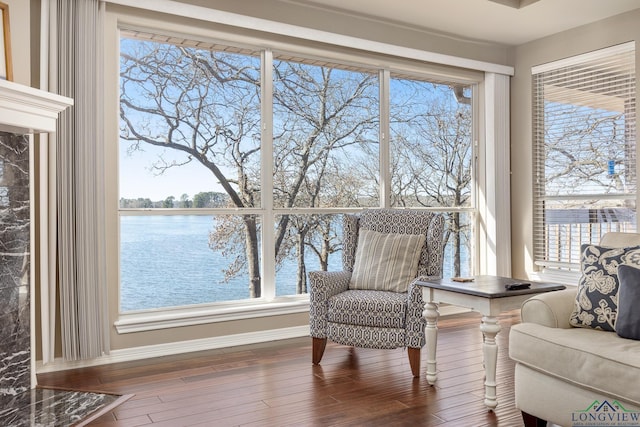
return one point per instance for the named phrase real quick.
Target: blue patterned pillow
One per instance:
(596, 303)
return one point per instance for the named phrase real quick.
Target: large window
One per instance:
(584, 152)
(233, 187)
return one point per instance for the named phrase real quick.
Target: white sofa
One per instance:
(562, 370)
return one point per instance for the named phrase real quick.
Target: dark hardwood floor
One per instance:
(275, 384)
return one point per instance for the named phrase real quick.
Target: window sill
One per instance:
(555, 275)
(150, 320)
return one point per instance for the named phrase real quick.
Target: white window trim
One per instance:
(227, 18)
(493, 130)
(585, 57)
(556, 275)
(165, 318)
(495, 183)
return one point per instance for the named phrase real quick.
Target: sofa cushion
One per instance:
(628, 320)
(589, 358)
(596, 304)
(386, 261)
(377, 309)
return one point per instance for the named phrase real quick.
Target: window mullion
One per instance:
(266, 158)
(385, 156)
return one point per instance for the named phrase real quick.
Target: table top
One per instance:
(489, 286)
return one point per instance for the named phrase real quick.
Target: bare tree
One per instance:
(206, 105)
(324, 120)
(577, 154)
(432, 156)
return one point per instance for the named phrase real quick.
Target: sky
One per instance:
(138, 180)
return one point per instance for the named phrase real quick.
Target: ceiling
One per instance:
(510, 22)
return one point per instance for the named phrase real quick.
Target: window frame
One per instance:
(269, 304)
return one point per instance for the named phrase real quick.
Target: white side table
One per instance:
(486, 295)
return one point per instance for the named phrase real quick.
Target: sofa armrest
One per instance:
(551, 309)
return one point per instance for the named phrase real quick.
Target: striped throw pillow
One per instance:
(386, 262)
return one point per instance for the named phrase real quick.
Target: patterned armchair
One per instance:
(350, 307)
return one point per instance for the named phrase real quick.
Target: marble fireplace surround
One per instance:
(25, 111)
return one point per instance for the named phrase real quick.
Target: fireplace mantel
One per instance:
(25, 110)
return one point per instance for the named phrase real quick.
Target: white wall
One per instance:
(20, 40)
(295, 13)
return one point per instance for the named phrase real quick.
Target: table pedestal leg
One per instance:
(490, 328)
(431, 313)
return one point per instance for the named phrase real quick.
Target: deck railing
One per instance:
(563, 241)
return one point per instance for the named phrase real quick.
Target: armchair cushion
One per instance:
(379, 309)
(386, 261)
(596, 304)
(628, 320)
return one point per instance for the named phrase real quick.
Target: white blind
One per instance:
(76, 70)
(584, 143)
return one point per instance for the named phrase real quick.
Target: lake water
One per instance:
(166, 261)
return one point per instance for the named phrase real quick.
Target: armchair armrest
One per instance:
(324, 285)
(415, 321)
(551, 309)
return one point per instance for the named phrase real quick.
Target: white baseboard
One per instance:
(168, 349)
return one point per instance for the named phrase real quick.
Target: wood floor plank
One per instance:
(275, 384)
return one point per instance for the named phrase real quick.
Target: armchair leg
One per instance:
(318, 345)
(414, 360)
(532, 421)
